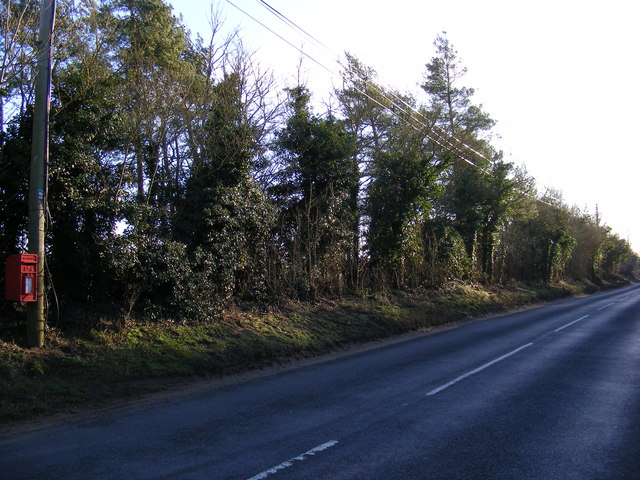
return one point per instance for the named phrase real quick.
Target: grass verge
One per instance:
(108, 363)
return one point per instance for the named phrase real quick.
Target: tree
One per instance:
(587, 255)
(403, 182)
(502, 198)
(224, 219)
(617, 253)
(510, 240)
(152, 45)
(14, 185)
(362, 104)
(451, 103)
(85, 198)
(462, 124)
(544, 241)
(18, 24)
(313, 190)
(82, 186)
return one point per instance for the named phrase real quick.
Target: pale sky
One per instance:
(560, 77)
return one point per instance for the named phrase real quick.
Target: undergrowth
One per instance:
(116, 361)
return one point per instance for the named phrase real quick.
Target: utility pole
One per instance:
(39, 161)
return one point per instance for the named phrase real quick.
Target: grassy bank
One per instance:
(109, 363)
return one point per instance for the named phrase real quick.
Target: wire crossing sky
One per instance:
(559, 76)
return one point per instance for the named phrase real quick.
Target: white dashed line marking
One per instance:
(291, 461)
(606, 306)
(569, 324)
(476, 370)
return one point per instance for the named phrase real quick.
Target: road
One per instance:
(548, 393)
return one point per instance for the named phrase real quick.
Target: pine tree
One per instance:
(465, 201)
(313, 192)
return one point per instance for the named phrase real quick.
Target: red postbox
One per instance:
(20, 278)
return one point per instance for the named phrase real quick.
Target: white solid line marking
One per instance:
(290, 462)
(476, 370)
(569, 324)
(608, 305)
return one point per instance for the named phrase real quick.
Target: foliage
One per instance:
(403, 175)
(451, 102)
(18, 21)
(312, 191)
(115, 362)
(180, 185)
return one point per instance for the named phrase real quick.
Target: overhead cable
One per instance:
(428, 130)
(281, 37)
(319, 43)
(295, 26)
(434, 133)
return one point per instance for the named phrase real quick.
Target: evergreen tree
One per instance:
(152, 47)
(313, 192)
(224, 219)
(451, 102)
(85, 201)
(403, 183)
(477, 188)
(361, 105)
(18, 24)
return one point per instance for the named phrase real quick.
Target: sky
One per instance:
(560, 77)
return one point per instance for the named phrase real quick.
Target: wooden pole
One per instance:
(39, 161)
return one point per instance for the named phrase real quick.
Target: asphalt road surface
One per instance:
(547, 393)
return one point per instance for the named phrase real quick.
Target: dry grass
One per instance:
(112, 362)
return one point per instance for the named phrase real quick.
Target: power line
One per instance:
(295, 26)
(280, 37)
(298, 28)
(441, 138)
(292, 24)
(438, 140)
